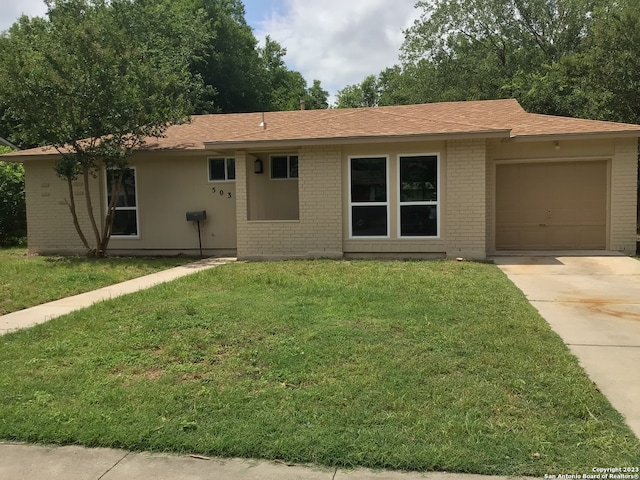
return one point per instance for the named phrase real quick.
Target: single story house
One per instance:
(460, 179)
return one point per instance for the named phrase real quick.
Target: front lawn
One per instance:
(402, 365)
(27, 281)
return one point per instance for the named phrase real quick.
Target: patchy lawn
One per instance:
(401, 365)
(27, 281)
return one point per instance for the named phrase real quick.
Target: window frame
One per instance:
(106, 196)
(226, 169)
(386, 203)
(288, 156)
(435, 203)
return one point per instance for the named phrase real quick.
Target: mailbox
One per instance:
(198, 216)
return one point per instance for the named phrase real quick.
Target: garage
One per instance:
(551, 206)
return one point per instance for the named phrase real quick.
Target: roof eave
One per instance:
(575, 136)
(19, 158)
(250, 144)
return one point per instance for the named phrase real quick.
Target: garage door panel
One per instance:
(543, 206)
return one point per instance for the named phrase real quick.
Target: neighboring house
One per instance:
(463, 179)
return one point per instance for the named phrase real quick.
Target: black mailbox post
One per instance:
(197, 217)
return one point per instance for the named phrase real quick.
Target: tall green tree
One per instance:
(96, 79)
(285, 88)
(609, 67)
(483, 49)
(228, 61)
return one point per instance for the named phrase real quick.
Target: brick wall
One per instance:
(624, 196)
(465, 199)
(318, 232)
(50, 225)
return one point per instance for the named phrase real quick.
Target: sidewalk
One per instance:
(34, 462)
(45, 312)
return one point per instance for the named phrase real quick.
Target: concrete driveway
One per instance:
(593, 303)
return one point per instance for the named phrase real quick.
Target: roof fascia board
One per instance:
(244, 145)
(574, 136)
(53, 155)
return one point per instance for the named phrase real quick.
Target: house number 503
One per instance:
(220, 192)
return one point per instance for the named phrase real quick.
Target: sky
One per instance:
(338, 42)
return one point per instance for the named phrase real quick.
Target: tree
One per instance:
(316, 97)
(485, 49)
(229, 62)
(95, 80)
(285, 88)
(609, 67)
(365, 94)
(13, 213)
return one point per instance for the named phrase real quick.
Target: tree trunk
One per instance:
(110, 215)
(87, 195)
(72, 207)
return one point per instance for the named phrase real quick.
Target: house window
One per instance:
(222, 169)
(284, 166)
(419, 197)
(369, 204)
(125, 221)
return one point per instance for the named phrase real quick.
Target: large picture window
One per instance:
(419, 197)
(125, 222)
(369, 197)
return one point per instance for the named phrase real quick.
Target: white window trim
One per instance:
(369, 204)
(288, 155)
(106, 195)
(226, 170)
(408, 204)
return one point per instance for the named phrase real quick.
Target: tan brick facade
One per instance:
(624, 184)
(169, 185)
(49, 222)
(466, 199)
(317, 233)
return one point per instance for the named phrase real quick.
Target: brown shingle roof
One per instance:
(491, 118)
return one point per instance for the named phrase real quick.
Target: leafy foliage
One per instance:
(13, 211)
(364, 95)
(96, 80)
(285, 88)
(576, 58)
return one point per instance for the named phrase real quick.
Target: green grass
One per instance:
(27, 281)
(401, 365)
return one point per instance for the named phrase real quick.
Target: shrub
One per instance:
(13, 210)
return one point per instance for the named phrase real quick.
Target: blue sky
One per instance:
(338, 42)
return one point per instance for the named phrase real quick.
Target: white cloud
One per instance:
(11, 10)
(340, 42)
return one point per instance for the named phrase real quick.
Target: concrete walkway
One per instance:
(593, 303)
(31, 462)
(45, 312)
